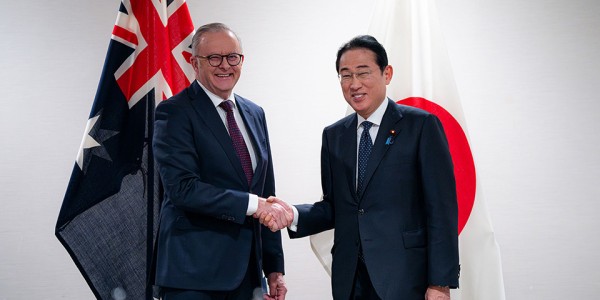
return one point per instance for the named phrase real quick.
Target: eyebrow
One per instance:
(359, 67)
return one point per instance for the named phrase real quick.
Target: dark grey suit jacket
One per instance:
(406, 218)
(205, 237)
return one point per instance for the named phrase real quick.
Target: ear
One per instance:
(388, 72)
(194, 61)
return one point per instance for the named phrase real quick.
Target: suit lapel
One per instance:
(253, 126)
(390, 121)
(348, 149)
(205, 108)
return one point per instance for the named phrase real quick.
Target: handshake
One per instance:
(274, 213)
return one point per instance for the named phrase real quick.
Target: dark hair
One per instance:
(212, 27)
(367, 42)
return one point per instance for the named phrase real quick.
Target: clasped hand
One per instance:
(274, 213)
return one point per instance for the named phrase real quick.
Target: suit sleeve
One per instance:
(318, 217)
(439, 190)
(178, 163)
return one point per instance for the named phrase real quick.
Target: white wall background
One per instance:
(528, 74)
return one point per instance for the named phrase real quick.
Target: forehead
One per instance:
(222, 42)
(358, 58)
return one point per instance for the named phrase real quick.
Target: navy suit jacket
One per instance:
(205, 237)
(406, 218)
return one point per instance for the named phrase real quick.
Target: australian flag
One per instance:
(109, 217)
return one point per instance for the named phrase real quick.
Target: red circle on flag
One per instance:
(462, 158)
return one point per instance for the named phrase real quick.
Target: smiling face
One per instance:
(365, 88)
(221, 79)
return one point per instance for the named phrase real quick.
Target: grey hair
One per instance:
(212, 27)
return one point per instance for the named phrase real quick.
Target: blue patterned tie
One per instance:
(364, 151)
(238, 140)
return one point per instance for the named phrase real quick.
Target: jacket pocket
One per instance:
(182, 223)
(415, 238)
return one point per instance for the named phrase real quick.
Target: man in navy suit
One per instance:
(388, 190)
(214, 159)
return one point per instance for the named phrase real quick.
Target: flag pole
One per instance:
(150, 196)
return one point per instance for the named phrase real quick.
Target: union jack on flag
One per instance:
(109, 217)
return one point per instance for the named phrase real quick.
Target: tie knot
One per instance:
(366, 125)
(227, 105)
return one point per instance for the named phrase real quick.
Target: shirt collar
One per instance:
(216, 100)
(376, 116)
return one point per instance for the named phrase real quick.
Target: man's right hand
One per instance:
(274, 213)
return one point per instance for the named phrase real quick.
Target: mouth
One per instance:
(358, 96)
(224, 75)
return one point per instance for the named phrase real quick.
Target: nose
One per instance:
(355, 84)
(224, 64)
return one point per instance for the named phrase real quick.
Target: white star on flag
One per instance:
(92, 141)
(87, 141)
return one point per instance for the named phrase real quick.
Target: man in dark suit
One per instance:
(388, 190)
(214, 159)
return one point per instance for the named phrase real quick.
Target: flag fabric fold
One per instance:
(412, 37)
(109, 216)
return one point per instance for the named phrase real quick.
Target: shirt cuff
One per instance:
(294, 226)
(252, 204)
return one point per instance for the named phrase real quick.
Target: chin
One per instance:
(359, 108)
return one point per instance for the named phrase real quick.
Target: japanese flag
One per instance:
(411, 35)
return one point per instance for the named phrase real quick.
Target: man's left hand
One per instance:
(437, 293)
(277, 289)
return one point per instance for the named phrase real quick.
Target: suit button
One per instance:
(361, 211)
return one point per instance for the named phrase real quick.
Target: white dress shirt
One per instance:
(216, 100)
